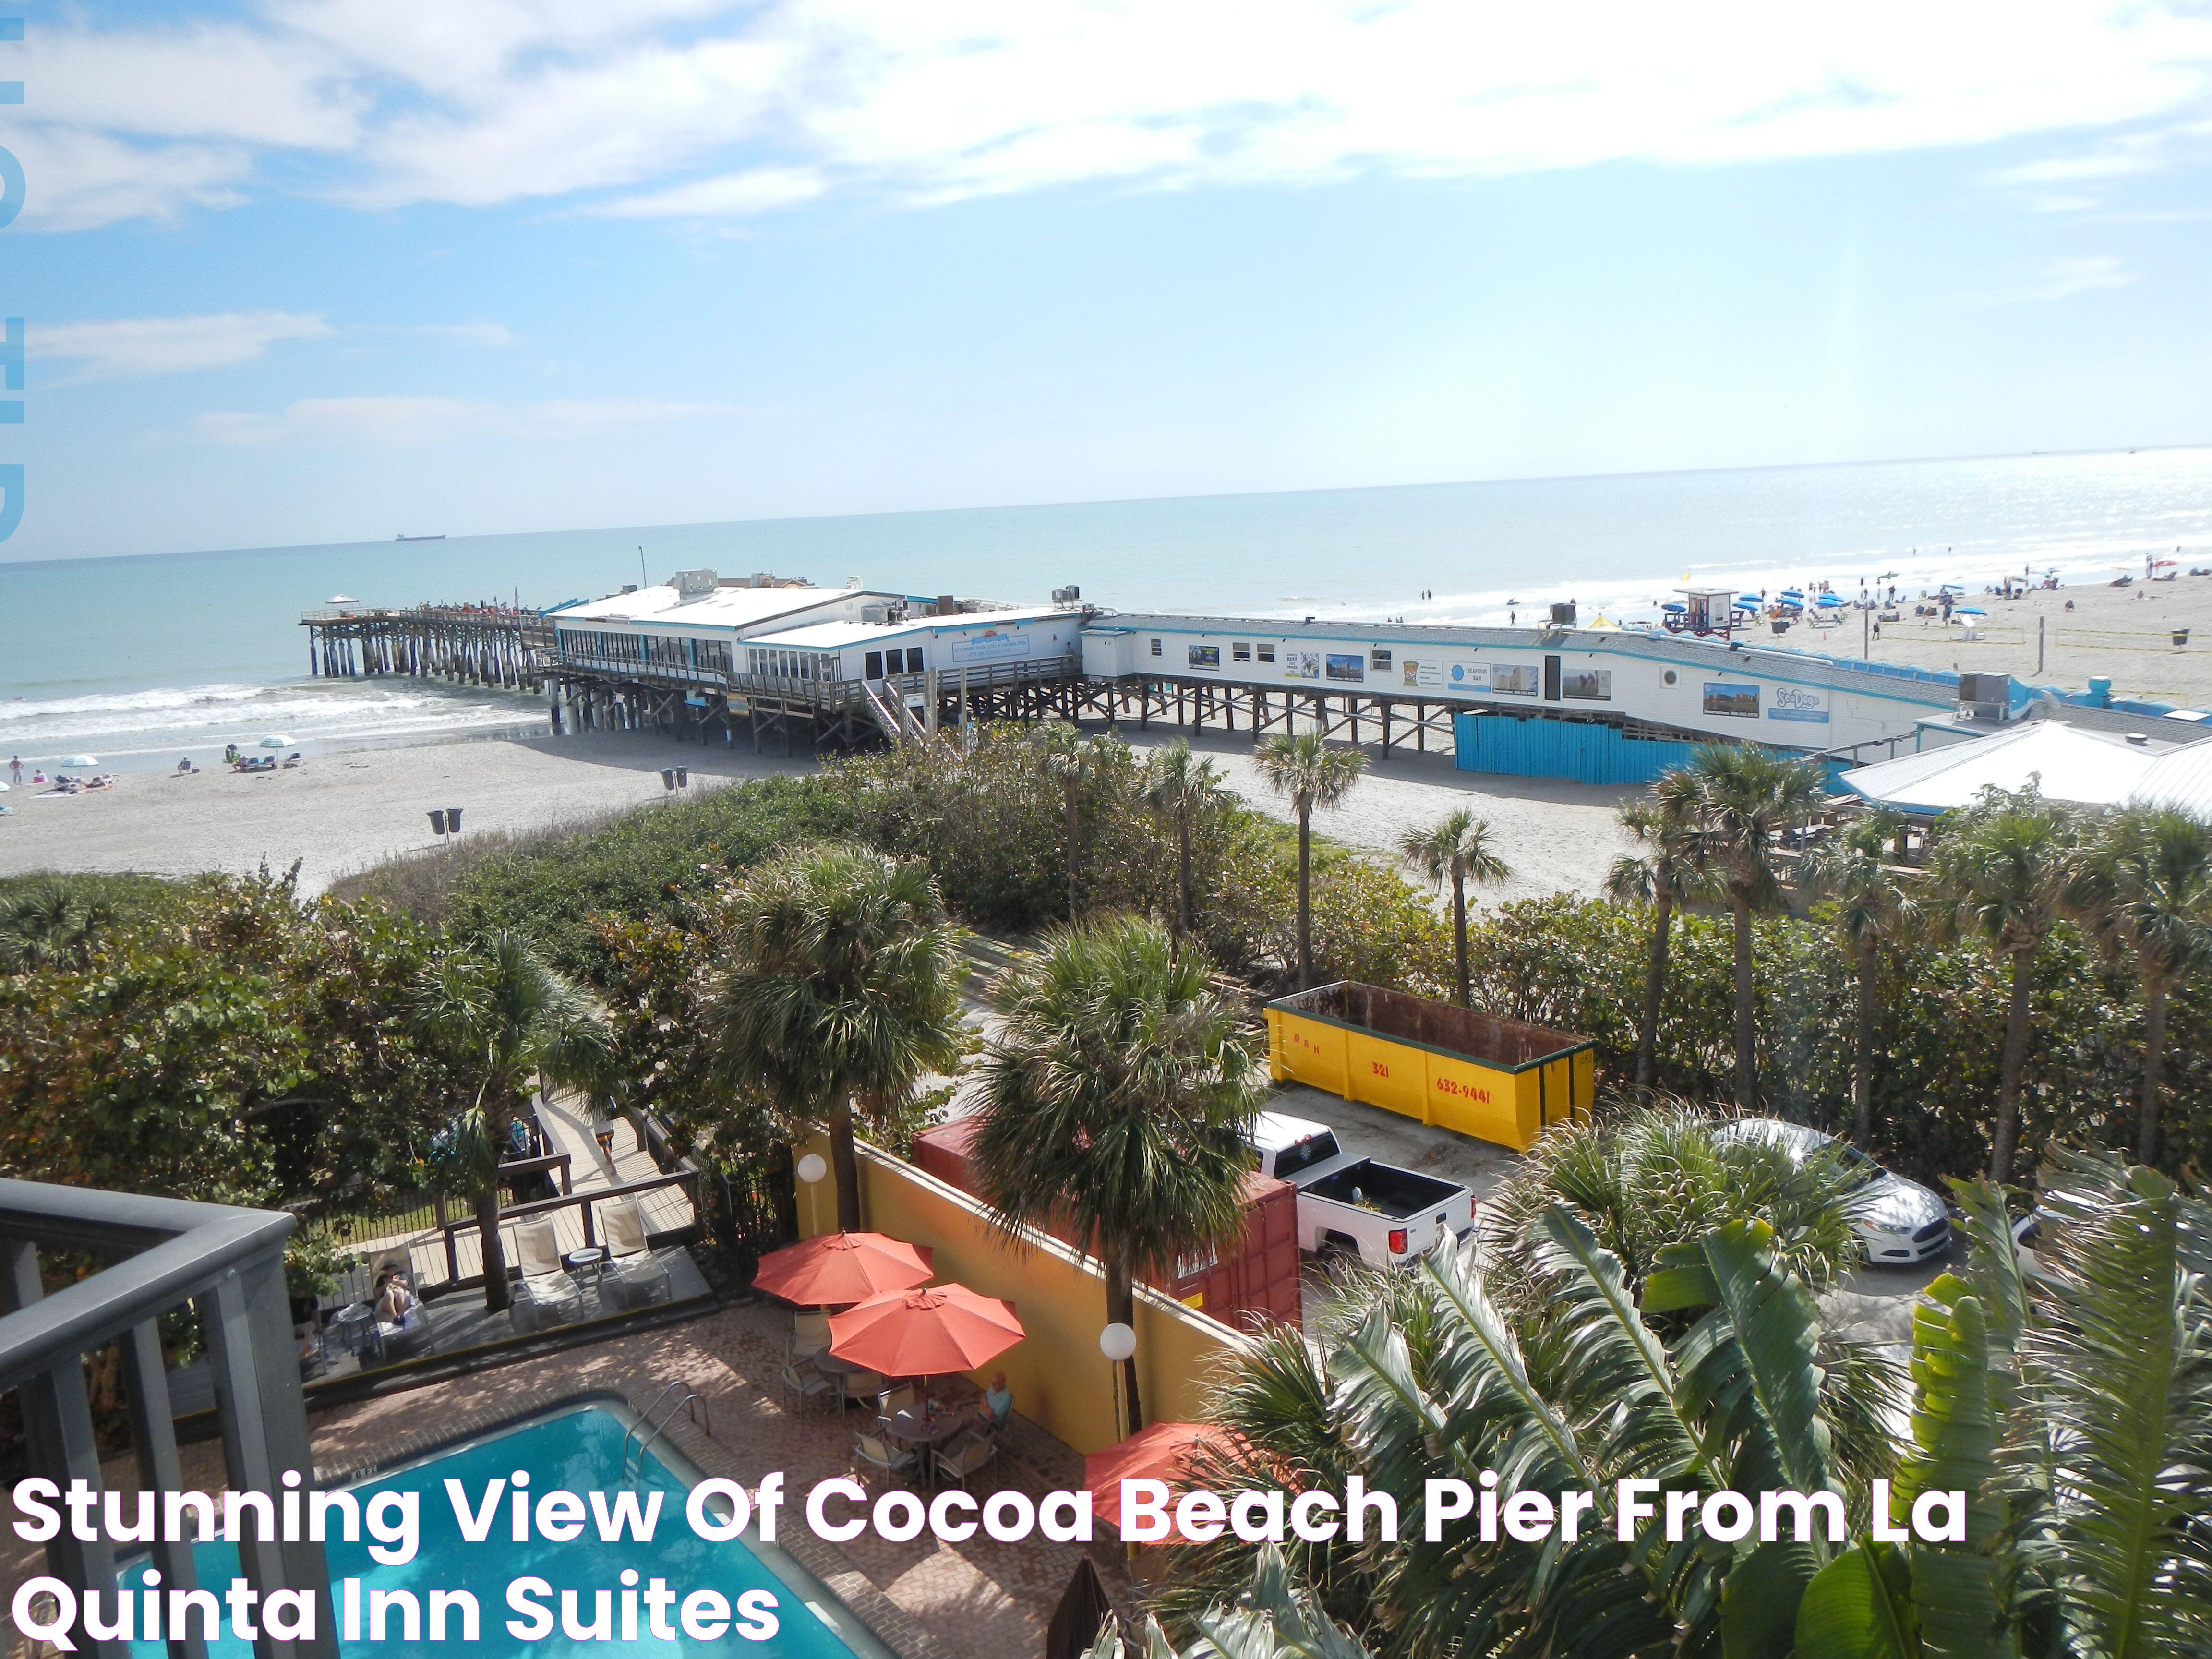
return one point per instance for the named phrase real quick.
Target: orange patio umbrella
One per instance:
(840, 1268)
(1159, 1452)
(929, 1332)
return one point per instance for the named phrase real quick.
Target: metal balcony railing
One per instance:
(156, 1254)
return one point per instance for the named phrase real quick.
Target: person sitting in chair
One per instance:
(996, 1408)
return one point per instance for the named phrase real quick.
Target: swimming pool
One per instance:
(578, 1449)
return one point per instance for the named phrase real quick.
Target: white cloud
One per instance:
(138, 346)
(706, 109)
(2059, 279)
(412, 422)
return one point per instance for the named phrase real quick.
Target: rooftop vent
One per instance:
(1562, 613)
(692, 583)
(1986, 696)
(1067, 595)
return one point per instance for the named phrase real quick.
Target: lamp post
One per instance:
(811, 1168)
(1118, 1342)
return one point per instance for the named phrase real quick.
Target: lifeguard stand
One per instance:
(1708, 610)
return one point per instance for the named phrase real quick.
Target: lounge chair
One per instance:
(880, 1455)
(967, 1454)
(810, 1335)
(547, 1296)
(634, 1277)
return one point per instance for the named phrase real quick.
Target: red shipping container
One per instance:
(1258, 1277)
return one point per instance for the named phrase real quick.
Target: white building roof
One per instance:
(661, 606)
(2181, 779)
(835, 635)
(2090, 768)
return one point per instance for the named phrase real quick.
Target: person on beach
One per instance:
(15, 769)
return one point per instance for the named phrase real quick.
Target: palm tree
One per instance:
(2076, 1421)
(503, 1017)
(1066, 758)
(1746, 795)
(1187, 791)
(843, 987)
(1115, 1100)
(1456, 850)
(2143, 888)
(1873, 906)
(2068, 1417)
(2002, 869)
(1664, 876)
(1711, 1375)
(1302, 767)
(52, 922)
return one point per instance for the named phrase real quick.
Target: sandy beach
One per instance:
(343, 812)
(2124, 634)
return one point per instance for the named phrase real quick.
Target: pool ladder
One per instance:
(652, 1422)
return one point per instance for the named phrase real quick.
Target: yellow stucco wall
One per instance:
(1059, 1379)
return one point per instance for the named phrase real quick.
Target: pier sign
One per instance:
(1347, 665)
(991, 645)
(1206, 657)
(1301, 665)
(1739, 701)
(1798, 702)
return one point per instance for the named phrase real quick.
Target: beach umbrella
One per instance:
(1792, 593)
(1829, 602)
(1159, 1452)
(838, 1269)
(928, 1331)
(1968, 610)
(1751, 599)
(278, 741)
(80, 760)
(1677, 609)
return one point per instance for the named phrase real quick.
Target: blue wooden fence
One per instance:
(1586, 752)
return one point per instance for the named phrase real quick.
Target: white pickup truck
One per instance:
(1354, 1206)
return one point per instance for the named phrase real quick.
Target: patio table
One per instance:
(926, 1433)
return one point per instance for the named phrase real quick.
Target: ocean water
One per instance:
(140, 660)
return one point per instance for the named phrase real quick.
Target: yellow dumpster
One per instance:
(1495, 1079)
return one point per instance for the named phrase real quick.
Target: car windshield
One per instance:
(1857, 1168)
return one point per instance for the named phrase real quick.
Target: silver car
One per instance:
(1898, 1222)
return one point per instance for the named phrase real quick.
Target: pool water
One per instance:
(578, 1451)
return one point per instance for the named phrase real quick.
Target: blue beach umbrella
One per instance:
(1968, 610)
(1829, 602)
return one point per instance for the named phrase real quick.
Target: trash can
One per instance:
(437, 823)
(683, 773)
(2181, 636)
(668, 778)
(453, 819)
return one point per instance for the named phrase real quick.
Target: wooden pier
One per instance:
(469, 645)
(811, 716)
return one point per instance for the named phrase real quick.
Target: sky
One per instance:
(323, 270)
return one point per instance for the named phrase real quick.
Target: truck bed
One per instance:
(1395, 1193)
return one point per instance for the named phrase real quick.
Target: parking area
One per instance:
(1873, 1304)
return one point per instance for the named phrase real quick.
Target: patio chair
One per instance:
(892, 1401)
(967, 1454)
(547, 1296)
(805, 1383)
(862, 1386)
(634, 1276)
(881, 1456)
(810, 1335)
